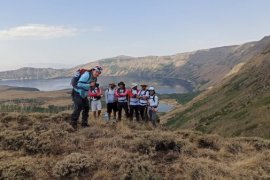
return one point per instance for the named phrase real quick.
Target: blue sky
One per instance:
(63, 33)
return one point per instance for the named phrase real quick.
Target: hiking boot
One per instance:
(85, 125)
(74, 126)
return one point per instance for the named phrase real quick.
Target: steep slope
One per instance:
(238, 107)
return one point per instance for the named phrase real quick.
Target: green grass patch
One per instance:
(266, 101)
(251, 127)
(240, 115)
(177, 121)
(182, 98)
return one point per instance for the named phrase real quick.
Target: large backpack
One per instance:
(76, 77)
(75, 80)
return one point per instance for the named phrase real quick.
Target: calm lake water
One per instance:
(162, 87)
(164, 107)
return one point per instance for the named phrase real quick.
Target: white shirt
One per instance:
(153, 101)
(109, 96)
(134, 100)
(143, 93)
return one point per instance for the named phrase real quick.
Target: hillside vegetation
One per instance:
(40, 146)
(238, 107)
(26, 100)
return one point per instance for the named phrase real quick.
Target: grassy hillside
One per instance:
(25, 100)
(40, 146)
(181, 98)
(238, 107)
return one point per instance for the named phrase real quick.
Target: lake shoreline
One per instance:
(64, 83)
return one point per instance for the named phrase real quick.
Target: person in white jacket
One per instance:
(143, 96)
(111, 100)
(152, 106)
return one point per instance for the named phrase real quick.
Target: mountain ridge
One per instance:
(204, 68)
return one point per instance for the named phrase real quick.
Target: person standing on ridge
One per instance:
(153, 106)
(134, 102)
(95, 94)
(143, 98)
(111, 100)
(122, 101)
(80, 93)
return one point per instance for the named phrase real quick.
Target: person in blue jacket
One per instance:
(81, 103)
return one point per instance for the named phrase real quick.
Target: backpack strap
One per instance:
(154, 98)
(86, 82)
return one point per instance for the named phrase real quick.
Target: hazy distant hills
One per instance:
(238, 107)
(32, 73)
(203, 68)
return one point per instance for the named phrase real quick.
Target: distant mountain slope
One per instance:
(239, 107)
(203, 68)
(32, 73)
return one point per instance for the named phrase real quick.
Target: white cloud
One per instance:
(37, 31)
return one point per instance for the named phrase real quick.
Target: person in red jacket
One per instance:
(95, 94)
(122, 100)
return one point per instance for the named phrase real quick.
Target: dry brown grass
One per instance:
(40, 146)
(57, 98)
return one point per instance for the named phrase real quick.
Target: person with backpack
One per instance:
(153, 103)
(134, 102)
(95, 94)
(111, 100)
(143, 98)
(81, 83)
(122, 100)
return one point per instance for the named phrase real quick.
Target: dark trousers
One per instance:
(153, 116)
(120, 106)
(112, 107)
(132, 109)
(143, 112)
(80, 104)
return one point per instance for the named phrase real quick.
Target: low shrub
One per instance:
(73, 165)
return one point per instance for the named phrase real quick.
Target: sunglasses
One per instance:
(98, 71)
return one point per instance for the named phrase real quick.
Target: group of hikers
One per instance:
(137, 103)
